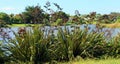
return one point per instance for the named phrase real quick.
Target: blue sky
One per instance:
(69, 6)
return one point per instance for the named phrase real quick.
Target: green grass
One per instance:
(92, 61)
(82, 61)
(23, 25)
(113, 25)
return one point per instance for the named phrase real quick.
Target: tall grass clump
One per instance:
(114, 47)
(35, 46)
(81, 43)
(29, 46)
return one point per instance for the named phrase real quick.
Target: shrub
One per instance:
(59, 22)
(2, 24)
(29, 46)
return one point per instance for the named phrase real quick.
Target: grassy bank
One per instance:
(82, 61)
(113, 25)
(92, 61)
(23, 25)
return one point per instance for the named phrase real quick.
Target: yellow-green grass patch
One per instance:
(92, 61)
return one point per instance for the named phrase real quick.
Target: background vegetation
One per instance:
(35, 46)
(36, 15)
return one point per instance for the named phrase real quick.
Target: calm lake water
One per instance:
(112, 31)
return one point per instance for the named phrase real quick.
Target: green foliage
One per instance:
(118, 20)
(69, 23)
(59, 22)
(29, 46)
(93, 61)
(60, 15)
(36, 46)
(2, 23)
(4, 17)
(33, 14)
(2, 56)
(80, 43)
(114, 47)
(46, 22)
(17, 19)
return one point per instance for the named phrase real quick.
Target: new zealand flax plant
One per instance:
(80, 43)
(29, 45)
(85, 43)
(113, 47)
(36, 45)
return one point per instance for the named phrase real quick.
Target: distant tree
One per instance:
(46, 19)
(11, 18)
(104, 18)
(77, 18)
(2, 23)
(17, 19)
(92, 17)
(60, 15)
(33, 14)
(113, 16)
(4, 18)
(56, 14)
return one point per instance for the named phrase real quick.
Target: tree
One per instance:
(11, 18)
(2, 23)
(60, 15)
(33, 14)
(92, 17)
(77, 18)
(56, 14)
(17, 19)
(4, 18)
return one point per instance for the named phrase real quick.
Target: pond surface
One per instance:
(112, 31)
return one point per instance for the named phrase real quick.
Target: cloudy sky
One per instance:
(69, 6)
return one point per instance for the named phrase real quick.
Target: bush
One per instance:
(59, 22)
(29, 46)
(2, 24)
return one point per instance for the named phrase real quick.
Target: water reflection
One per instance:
(92, 28)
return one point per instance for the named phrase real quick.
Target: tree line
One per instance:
(36, 15)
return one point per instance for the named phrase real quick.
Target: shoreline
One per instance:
(113, 25)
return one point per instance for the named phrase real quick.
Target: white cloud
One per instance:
(7, 8)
